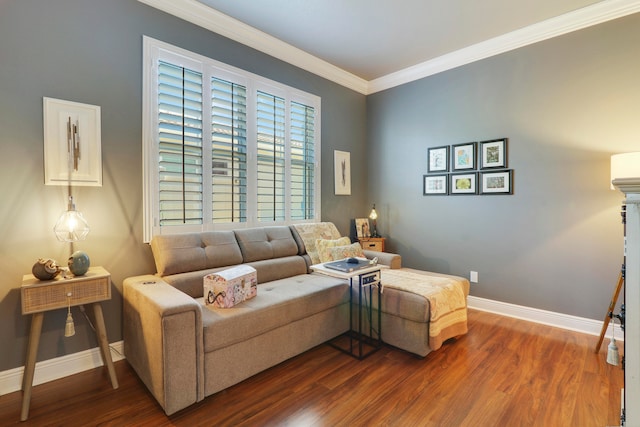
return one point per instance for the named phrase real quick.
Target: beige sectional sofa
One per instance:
(184, 350)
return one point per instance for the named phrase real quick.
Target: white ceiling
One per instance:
(370, 45)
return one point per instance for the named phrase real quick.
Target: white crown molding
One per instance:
(206, 17)
(582, 18)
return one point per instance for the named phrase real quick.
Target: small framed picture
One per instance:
(499, 182)
(464, 183)
(493, 154)
(463, 156)
(436, 185)
(438, 159)
(362, 228)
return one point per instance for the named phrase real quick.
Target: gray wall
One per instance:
(90, 51)
(566, 105)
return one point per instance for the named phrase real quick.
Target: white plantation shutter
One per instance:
(228, 151)
(302, 167)
(270, 157)
(179, 145)
(224, 147)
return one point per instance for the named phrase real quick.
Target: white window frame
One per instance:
(155, 51)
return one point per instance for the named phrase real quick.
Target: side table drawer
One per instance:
(370, 245)
(53, 294)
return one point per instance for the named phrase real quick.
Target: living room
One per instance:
(552, 249)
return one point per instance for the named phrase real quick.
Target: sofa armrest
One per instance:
(163, 341)
(385, 258)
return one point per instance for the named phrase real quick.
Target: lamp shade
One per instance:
(625, 165)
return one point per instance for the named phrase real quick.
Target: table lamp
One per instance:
(373, 216)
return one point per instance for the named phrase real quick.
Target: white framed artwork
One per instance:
(342, 172)
(72, 147)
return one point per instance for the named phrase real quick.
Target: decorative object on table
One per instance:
(438, 159)
(496, 182)
(45, 269)
(342, 172)
(373, 216)
(463, 156)
(362, 228)
(72, 130)
(79, 263)
(493, 154)
(464, 183)
(435, 185)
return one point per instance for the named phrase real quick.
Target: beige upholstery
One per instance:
(184, 350)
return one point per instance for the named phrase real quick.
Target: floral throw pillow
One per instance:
(323, 246)
(352, 250)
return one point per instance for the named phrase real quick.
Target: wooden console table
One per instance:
(39, 296)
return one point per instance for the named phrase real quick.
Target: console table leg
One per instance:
(101, 334)
(30, 365)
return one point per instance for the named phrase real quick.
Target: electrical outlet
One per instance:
(473, 277)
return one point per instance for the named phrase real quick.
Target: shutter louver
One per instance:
(229, 151)
(270, 157)
(179, 145)
(302, 169)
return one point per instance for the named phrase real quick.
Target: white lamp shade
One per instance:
(625, 165)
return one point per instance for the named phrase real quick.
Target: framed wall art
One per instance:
(436, 185)
(342, 173)
(72, 147)
(464, 183)
(499, 182)
(463, 156)
(493, 154)
(438, 159)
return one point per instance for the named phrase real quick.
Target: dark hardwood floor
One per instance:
(504, 372)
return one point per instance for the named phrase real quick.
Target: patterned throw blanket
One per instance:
(447, 302)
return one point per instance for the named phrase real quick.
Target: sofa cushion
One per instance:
(180, 253)
(307, 234)
(342, 252)
(278, 303)
(266, 243)
(324, 247)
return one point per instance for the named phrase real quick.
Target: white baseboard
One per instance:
(559, 320)
(59, 367)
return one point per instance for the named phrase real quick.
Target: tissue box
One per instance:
(230, 287)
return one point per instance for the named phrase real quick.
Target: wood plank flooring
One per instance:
(504, 372)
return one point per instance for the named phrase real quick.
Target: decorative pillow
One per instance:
(324, 247)
(352, 250)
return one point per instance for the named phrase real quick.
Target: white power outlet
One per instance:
(473, 277)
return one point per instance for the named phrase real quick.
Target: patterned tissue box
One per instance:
(230, 287)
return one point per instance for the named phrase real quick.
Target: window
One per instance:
(224, 148)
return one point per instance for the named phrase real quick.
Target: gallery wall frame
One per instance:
(435, 185)
(72, 145)
(498, 182)
(438, 159)
(493, 154)
(463, 156)
(469, 168)
(464, 183)
(342, 173)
